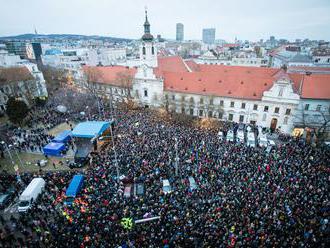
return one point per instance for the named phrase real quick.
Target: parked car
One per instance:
(230, 136)
(5, 199)
(192, 183)
(263, 141)
(166, 187)
(220, 135)
(30, 194)
(251, 140)
(139, 187)
(240, 136)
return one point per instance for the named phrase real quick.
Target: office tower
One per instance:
(179, 32)
(209, 35)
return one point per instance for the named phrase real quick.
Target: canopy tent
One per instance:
(90, 129)
(54, 149)
(63, 137)
(61, 108)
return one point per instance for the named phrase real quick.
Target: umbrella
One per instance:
(61, 108)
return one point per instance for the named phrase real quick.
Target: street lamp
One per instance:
(11, 157)
(114, 149)
(176, 157)
(20, 161)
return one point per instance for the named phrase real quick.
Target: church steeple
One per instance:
(147, 36)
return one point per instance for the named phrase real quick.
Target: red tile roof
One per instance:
(109, 74)
(228, 81)
(192, 65)
(14, 74)
(170, 64)
(316, 87)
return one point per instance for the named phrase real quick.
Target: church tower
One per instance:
(148, 50)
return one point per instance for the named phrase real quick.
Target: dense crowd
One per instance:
(246, 197)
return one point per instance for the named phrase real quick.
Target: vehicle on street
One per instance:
(230, 136)
(251, 142)
(192, 183)
(30, 194)
(166, 187)
(220, 135)
(240, 136)
(74, 188)
(127, 190)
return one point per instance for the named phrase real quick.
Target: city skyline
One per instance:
(246, 21)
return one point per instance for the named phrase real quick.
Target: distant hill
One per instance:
(62, 37)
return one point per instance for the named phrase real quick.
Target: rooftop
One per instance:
(14, 74)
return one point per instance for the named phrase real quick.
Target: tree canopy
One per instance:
(16, 110)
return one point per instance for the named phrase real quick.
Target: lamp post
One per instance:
(20, 161)
(114, 149)
(11, 157)
(176, 157)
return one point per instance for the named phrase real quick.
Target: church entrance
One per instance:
(273, 124)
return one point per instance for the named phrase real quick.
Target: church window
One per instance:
(143, 50)
(285, 120)
(145, 93)
(153, 50)
(280, 93)
(277, 110)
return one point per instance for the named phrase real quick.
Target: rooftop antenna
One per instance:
(35, 30)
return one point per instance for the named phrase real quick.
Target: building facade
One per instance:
(24, 82)
(209, 35)
(267, 97)
(179, 32)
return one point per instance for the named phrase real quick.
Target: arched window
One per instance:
(143, 50)
(153, 50)
(285, 122)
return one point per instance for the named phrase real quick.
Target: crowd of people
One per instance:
(245, 197)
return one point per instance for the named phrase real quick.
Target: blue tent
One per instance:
(54, 149)
(63, 137)
(90, 129)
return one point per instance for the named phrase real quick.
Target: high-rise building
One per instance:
(209, 35)
(17, 47)
(179, 32)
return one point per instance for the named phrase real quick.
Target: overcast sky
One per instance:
(253, 19)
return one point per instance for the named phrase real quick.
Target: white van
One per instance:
(240, 136)
(30, 194)
(230, 136)
(220, 135)
(251, 140)
(166, 187)
(192, 183)
(263, 141)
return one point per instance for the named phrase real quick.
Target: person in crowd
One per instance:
(245, 197)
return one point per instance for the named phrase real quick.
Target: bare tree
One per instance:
(319, 123)
(55, 78)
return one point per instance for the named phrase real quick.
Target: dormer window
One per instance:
(280, 93)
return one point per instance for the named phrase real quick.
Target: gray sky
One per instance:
(253, 20)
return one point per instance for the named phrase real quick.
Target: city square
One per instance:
(154, 142)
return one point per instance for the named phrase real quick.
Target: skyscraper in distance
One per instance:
(209, 35)
(179, 32)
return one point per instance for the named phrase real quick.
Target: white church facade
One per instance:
(267, 97)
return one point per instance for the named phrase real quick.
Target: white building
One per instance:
(24, 82)
(267, 97)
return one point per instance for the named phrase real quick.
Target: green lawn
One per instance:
(60, 128)
(29, 160)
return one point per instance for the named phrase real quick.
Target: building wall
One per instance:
(179, 32)
(312, 113)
